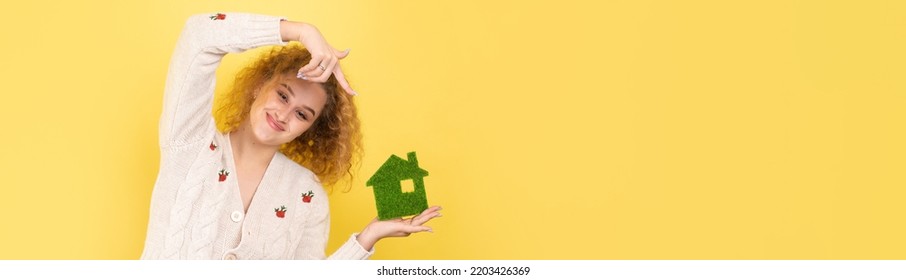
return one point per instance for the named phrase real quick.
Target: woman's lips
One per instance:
(273, 123)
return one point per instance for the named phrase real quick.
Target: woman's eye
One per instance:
(302, 115)
(282, 96)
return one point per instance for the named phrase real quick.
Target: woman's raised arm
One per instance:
(189, 89)
(205, 39)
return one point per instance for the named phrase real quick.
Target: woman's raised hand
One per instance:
(324, 58)
(377, 229)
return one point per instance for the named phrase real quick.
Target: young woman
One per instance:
(254, 190)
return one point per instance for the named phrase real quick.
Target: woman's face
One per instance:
(285, 109)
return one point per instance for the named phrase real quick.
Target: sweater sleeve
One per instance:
(189, 90)
(351, 250)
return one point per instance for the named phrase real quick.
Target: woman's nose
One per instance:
(283, 114)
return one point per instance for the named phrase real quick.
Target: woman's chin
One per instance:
(267, 136)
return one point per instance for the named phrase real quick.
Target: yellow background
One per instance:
(552, 130)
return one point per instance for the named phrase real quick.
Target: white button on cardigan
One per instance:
(236, 216)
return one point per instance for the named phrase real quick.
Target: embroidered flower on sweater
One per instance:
(218, 16)
(281, 212)
(212, 146)
(223, 174)
(306, 197)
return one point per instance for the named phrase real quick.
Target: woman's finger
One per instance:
(316, 59)
(431, 209)
(310, 74)
(409, 229)
(421, 219)
(341, 54)
(313, 74)
(328, 69)
(427, 215)
(312, 69)
(343, 83)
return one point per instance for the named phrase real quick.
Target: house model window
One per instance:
(392, 198)
(407, 186)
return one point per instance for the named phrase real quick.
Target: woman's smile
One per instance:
(273, 123)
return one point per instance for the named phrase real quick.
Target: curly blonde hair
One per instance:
(331, 146)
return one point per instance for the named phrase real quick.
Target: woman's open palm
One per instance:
(398, 227)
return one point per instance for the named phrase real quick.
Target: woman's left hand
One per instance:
(324, 58)
(377, 229)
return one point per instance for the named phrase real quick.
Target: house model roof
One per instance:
(396, 169)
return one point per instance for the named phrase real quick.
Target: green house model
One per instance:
(392, 201)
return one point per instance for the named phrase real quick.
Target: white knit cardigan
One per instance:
(196, 210)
